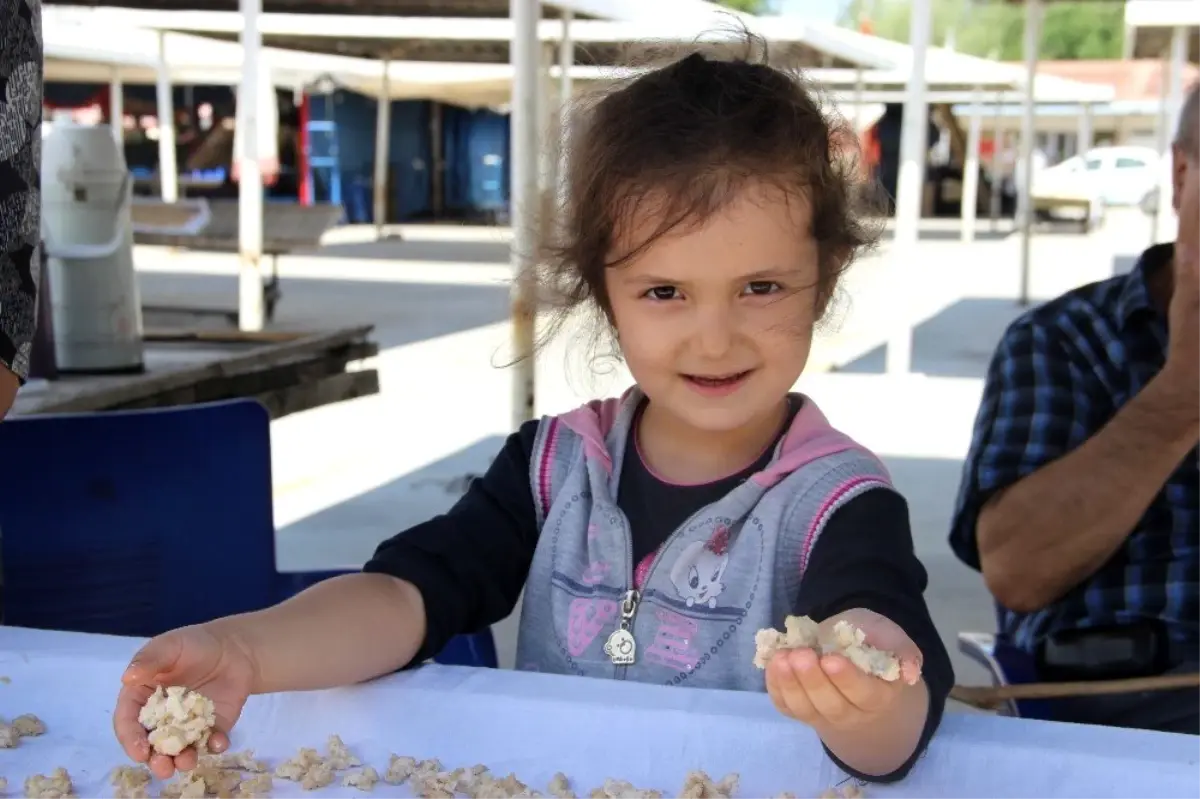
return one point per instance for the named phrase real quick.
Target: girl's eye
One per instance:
(762, 287)
(662, 293)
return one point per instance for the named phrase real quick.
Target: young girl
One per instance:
(709, 221)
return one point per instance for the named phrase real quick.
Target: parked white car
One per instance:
(1103, 177)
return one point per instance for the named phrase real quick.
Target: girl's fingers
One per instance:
(786, 691)
(860, 689)
(218, 742)
(161, 766)
(187, 760)
(130, 733)
(826, 699)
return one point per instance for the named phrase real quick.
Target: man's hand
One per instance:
(8, 389)
(1180, 375)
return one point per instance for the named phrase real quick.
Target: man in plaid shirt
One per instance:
(1079, 498)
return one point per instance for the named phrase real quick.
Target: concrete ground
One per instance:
(350, 475)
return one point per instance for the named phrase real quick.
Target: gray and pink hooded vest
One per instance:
(693, 608)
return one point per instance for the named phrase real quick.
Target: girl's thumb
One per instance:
(156, 658)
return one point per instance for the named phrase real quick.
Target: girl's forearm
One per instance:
(884, 746)
(341, 631)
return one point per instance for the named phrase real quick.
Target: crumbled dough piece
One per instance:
(206, 779)
(188, 785)
(319, 776)
(560, 787)
(257, 786)
(851, 642)
(799, 632)
(363, 778)
(239, 761)
(340, 757)
(9, 737)
(5, 679)
(28, 725)
(429, 780)
(620, 789)
(177, 718)
(56, 786)
(131, 782)
(698, 785)
(298, 766)
(845, 639)
(399, 769)
(129, 778)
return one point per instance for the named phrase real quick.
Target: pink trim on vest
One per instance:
(831, 503)
(545, 464)
(593, 422)
(809, 438)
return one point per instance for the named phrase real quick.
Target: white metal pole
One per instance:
(997, 160)
(1165, 222)
(525, 59)
(1083, 142)
(910, 186)
(383, 127)
(859, 91)
(970, 189)
(168, 170)
(116, 105)
(1033, 38)
(250, 181)
(548, 116)
(566, 91)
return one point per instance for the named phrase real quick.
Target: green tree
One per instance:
(747, 6)
(1070, 30)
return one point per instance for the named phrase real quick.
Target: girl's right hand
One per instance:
(201, 658)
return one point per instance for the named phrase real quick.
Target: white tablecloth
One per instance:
(535, 725)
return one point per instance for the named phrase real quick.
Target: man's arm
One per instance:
(20, 228)
(9, 383)
(1053, 529)
(1055, 481)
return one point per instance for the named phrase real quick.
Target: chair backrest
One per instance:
(135, 522)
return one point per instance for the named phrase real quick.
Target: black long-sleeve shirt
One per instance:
(471, 563)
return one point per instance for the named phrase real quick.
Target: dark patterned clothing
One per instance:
(1060, 373)
(20, 181)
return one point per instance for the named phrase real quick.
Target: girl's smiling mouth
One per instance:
(717, 385)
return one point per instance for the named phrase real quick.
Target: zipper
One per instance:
(633, 597)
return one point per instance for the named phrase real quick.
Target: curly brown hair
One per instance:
(681, 141)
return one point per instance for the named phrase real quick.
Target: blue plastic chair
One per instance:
(137, 522)
(1007, 665)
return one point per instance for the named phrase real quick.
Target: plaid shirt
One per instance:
(1060, 373)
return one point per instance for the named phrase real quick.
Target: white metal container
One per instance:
(88, 235)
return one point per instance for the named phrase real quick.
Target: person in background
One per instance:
(709, 223)
(1079, 495)
(20, 220)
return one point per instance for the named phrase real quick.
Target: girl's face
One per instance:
(715, 321)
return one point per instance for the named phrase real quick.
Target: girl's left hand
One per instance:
(830, 692)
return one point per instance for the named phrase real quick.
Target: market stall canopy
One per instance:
(420, 48)
(1148, 25)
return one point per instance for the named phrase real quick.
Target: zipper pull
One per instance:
(620, 646)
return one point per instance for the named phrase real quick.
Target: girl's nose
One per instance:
(714, 334)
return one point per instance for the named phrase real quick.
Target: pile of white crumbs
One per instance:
(176, 718)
